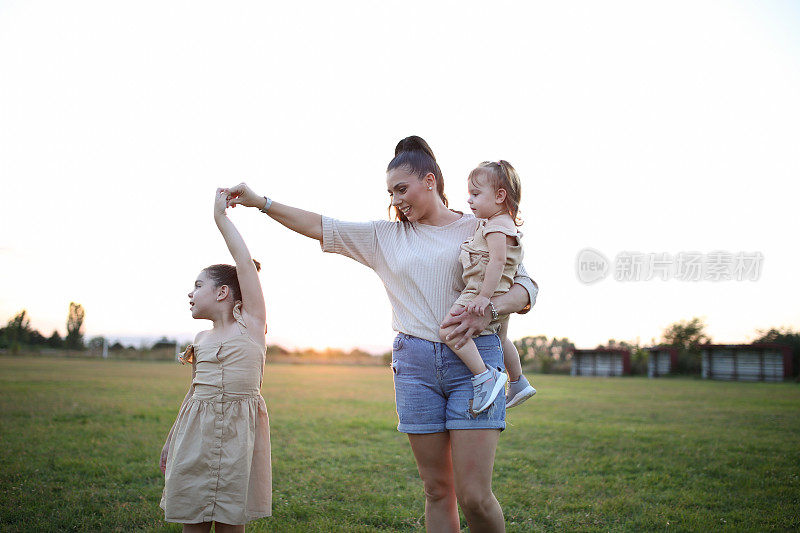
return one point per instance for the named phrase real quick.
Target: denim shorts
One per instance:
(433, 387)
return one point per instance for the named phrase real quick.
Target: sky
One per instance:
(636, 127)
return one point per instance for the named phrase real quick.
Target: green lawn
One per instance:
(80, 443)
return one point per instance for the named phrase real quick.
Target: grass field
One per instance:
(80, 443)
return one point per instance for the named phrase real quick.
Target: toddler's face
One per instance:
(482, 197)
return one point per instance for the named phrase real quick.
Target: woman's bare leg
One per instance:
(432, 453)
(473, 461)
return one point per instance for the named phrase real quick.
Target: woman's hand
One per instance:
(220, 203)
(243, 195)
(478, 305)
(467, 325)
(163, 463)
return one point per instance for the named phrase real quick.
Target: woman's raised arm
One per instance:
(303, 222)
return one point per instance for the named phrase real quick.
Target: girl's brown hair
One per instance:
(414, 154)
(226, 275)
(502, 175)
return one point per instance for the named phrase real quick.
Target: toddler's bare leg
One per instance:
(468, 353)
(510, 354)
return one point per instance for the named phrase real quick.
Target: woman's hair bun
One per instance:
(258, 265)
(412, 143)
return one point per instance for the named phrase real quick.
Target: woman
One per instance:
(416, 257)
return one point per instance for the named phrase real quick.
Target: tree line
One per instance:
(18, 334)
(537, 353)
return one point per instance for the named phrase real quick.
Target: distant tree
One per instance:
(55, 340)
(17, 331)
(561, 350)
(275, 349)
(530, 347)
(36, 339)
(162, 343)
(784, 336)
(544, 354)
(96, 343)
(355, 352)
(116, 347)
(74, 338)
(687, 336)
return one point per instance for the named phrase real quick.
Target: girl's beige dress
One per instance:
(474, 258)
(218, 464)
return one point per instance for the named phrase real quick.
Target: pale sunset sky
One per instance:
(635, 127)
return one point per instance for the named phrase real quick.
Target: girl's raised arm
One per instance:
(303, 222)
(250, 285)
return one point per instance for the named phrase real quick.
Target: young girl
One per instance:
(216, 460)
(490, 260)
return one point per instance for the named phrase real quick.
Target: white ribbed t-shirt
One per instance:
(417, 263)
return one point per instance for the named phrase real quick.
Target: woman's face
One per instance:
(203, 296)
(410, 194)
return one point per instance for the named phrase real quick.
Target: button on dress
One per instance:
(218, 463)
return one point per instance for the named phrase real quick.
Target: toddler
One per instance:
(490, 260)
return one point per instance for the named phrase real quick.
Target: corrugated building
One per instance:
(746, 362)
(601, 362)
(662, 361)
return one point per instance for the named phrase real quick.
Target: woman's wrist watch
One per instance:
(495, 314)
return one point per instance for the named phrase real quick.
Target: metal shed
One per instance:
(662, 360)
(601, 362)
(746, 362)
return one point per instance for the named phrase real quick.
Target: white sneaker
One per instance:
(485, 389)
(518, 392)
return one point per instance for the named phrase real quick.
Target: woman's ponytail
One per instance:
(414, 154)
(414, 142)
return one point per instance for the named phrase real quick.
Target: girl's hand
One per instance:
(220, 203)
(478, 305)
(243, 195)
(163, 463)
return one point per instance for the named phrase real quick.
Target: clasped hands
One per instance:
(241, 195)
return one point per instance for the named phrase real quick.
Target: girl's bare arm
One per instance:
(252, 294)
(496, 242)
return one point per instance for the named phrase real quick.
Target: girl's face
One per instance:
(483, 198)
(203, 298)
(410, 194)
